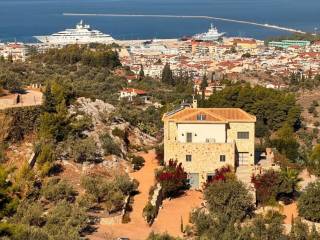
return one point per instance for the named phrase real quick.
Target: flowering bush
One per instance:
(221, 174)
(172, 178)
(266, 186)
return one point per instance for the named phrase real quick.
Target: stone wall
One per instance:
(243, 145)
(151, 210)
(156, 198)
(310, 224)
(117, 217)
(205, 157)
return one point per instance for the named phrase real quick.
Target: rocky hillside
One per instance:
(105, 121)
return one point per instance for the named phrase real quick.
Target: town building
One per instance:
(130, 93)
(289, 43)
(205, 139)
(15, 51)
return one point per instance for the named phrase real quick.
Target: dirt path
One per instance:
(30, 98)
(137, 228)
(169, 218)
(290, 211)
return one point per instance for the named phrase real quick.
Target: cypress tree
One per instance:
(49, 104)
(167, 76)
(204, 85)
(141, 73)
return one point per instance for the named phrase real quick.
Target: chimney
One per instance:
(194, 102)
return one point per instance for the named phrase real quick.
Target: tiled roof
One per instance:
(133, 90)
(212, 115)
(245, 41)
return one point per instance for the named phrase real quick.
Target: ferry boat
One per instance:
(82, 34)
(211, 35)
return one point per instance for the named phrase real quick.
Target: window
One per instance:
(243, 158)
(222, 158)
(189, 137)
(188, 158)
(243, 135)
(210, 177)
(201, 117)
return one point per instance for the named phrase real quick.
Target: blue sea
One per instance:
(22, 19)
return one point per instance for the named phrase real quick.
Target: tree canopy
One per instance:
(273, 108)
(309, 202)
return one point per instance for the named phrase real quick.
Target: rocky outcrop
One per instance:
(98, 110)
(138, 138)
(105, 120)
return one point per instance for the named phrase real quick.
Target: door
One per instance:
(189, 137)
(193, 180)
(243, 158)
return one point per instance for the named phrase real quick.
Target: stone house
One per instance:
(205, 139)
(130, 93)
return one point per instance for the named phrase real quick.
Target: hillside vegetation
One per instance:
(86, 138)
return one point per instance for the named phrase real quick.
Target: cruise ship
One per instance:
(82, 34)
(211, 35)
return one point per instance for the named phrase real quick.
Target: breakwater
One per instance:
(266, 25)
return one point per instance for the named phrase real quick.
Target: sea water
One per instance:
(22, 19)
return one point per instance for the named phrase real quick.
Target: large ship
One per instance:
(211, 35)
(82, 34)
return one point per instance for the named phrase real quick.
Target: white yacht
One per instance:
(82, 34)
(211, 35)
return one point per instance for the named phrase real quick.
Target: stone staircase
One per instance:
(244, 174)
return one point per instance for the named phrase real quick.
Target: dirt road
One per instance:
(169, 218)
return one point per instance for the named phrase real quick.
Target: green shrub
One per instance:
(160, 154)
(229, 200)
(66, 221)
(6, 229)
(56, 190)
(25, 232)
(309, 202)
(84, 150)
(137, 162)
(149, 212)
(22, 121)
(46, 153)
(78, 126)
(108, 193)
(126, 218)
(314, 160)
(125, 184)
(86, 201)
(119, 133)
(109, 146)
(97, 187)
(30, 213)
